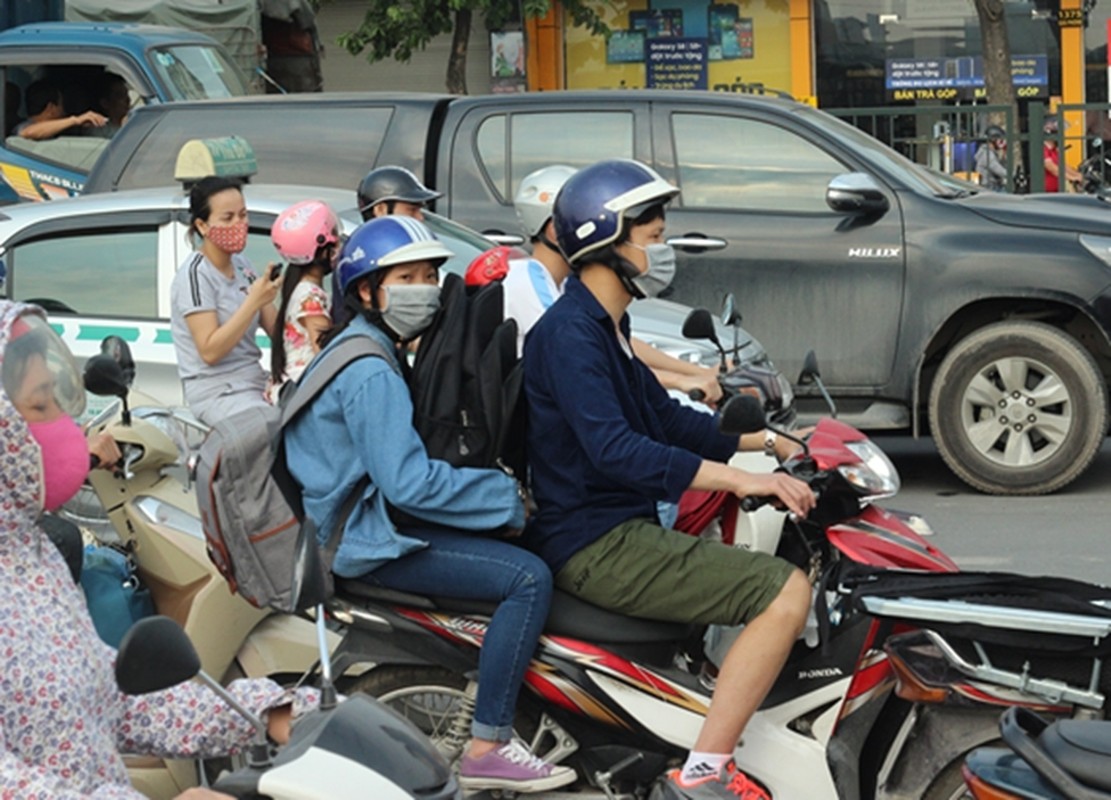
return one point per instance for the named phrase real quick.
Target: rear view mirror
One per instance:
(742, 414)
(700, 325)
(118, 349)
(105, 377)
(310, 586)
(856, 193)
(155, 654)
(729, 315)
(809, 373)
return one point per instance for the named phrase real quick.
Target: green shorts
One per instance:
(642, 570)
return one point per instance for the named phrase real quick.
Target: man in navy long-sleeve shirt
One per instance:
(606, 442)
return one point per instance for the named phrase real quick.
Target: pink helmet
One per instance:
(304, 228)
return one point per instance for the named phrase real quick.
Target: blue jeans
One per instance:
(474, 567)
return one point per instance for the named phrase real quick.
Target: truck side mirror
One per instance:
(856, 193)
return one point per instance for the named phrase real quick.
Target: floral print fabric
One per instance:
(307, 300)
(63, 721)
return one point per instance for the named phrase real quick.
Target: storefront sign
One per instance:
(674, 63)
(959, 78)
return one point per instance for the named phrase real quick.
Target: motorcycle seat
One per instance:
(569, 616)
(1082, 748)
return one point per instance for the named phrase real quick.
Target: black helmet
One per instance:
(994, 132)
(387, 184)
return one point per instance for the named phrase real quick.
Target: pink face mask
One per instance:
(65, 459)
(229, 238)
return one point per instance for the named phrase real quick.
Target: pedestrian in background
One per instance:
(991, 159)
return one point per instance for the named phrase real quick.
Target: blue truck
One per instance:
(156, 64)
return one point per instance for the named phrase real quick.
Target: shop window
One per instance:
(107, 273)
(743, 164)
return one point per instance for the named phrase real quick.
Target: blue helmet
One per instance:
(591, 208)
(387, 242)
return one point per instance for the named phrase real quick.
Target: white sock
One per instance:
(703, 765)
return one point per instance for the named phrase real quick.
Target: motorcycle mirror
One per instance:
(700, 325)
(105, 377)
(811, 375)
(729, 315)
(810, 372)
(309, 587)
(155, 654)
(120, 351)
(741, 414)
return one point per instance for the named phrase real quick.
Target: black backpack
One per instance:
(466, 381)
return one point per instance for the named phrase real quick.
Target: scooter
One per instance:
(150, 511)
(357, 748)
(621, 699)
(1061, 760)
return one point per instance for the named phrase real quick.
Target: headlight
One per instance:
(875, 476)
(1098, 246)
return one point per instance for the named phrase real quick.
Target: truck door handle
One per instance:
(696, 243)
(507, 239)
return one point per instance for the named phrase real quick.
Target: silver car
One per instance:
(102, 264)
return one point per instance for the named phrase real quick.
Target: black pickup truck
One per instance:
(981, 318)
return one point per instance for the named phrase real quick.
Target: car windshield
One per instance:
(197, 72)
(917, 176)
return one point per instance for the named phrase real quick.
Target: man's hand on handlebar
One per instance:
(702, 387)
(794, 494)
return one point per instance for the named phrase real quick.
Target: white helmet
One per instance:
(536, 195)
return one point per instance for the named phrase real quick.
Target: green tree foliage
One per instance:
(395, 29)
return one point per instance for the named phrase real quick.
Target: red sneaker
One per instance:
(729, 784)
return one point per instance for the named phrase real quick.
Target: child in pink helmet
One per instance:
(307, 238)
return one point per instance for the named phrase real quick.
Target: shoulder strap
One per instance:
(332, 363)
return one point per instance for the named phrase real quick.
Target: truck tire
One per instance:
(1018, 408)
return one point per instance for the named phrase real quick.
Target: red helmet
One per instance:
(493, 265)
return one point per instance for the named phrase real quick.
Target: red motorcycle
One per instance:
(621, 699)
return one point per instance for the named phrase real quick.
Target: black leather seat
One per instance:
(1082, 748)
(569, 616)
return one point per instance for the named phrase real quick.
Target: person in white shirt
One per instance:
(532, 285)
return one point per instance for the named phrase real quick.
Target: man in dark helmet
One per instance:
(605, 443)
(991, 158)
(393, 190)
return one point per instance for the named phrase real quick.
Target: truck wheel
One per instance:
(1018, 408)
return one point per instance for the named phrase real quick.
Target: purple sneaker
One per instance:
(512, 767)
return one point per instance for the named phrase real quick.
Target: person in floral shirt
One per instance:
(63, 720)
(307, 237)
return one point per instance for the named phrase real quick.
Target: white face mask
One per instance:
(660, 272)
(410, 309)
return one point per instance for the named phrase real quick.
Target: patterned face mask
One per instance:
(229, 238)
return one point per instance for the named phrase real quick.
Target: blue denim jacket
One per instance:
(361, 424)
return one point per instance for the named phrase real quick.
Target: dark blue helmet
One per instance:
(386, 242)
(591, 208)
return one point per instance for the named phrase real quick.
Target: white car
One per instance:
(102, 264)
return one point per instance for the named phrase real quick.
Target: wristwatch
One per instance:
(770, 438)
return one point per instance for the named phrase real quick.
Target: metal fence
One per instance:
(946, 138)
(942, 137)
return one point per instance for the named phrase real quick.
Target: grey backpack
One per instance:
(250, 505)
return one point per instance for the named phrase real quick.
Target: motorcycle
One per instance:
(146, 507)
(621, 699)
(717, 515)
(354, 748)
(1096, 168)
(1059, 760)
